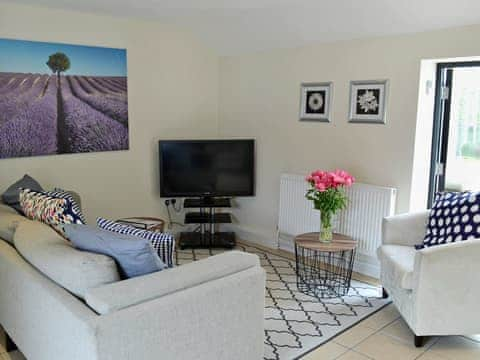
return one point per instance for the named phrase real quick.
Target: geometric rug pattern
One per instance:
(297, 323)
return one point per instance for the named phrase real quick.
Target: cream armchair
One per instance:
(436, 289)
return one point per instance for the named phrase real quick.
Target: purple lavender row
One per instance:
(4, 79)
(114, 109)
(88, 129)
(13, 84)
(91, 81)
(89, 89)
(111, 85)
(122, 81)
(115, 84)
(20, 136)
(105, 86)
(12, 103)
(21, 87)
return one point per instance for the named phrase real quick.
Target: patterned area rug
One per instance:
(295, 323)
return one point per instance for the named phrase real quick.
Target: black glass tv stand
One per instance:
(207, 217)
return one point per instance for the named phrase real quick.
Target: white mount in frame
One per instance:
(368, 101)
(315, 101)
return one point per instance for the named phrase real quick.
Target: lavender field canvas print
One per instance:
(60, 99)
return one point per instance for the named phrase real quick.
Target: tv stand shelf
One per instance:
(207, 203)
(207, 217)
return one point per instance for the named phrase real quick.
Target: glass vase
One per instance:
(325, 235)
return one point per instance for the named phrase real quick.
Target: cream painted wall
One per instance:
(180, 89)
(259, 97)
(172, 83)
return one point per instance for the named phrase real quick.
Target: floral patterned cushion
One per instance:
(40, 206)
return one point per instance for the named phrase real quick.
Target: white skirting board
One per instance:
(262, 237)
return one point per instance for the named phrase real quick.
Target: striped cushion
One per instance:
(163, 243)
(62, 194)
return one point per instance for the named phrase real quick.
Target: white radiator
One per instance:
(362, 220)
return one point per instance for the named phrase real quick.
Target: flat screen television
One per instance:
(207, 168)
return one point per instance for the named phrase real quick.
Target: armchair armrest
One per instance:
(404, 229)
(446, 288)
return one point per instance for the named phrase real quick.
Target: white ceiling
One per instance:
(235, 27)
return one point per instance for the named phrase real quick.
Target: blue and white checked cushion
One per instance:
(163, 243)
(62, 194)
(455, 216)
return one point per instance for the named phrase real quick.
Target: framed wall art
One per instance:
(315, 101)
(61, 99)
(368, 101)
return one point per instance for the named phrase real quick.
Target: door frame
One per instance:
(441, 124)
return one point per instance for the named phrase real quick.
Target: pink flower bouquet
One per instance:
(327, 191)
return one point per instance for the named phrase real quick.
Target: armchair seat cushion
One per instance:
(399, 262)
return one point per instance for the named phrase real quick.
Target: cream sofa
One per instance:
(58, 303)
(435, 289)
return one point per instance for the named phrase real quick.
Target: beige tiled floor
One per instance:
(382, 336)
(385, 336)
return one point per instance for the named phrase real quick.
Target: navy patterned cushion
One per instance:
(163, 243)
(455, 216)
(62, 194)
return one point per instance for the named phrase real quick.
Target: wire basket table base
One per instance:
(324, 270)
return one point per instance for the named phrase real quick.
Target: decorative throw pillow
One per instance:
(134, 256)
(455, 216)
(62, 194)
(37, 205)
(163, 243)
(11, 196)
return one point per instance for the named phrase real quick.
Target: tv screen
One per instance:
(206, 168)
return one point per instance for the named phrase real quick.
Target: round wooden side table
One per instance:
(324, 269)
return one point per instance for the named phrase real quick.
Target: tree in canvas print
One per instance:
(59, 99)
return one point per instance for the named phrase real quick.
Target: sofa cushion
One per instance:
(455, 216)
(113, 297)
(53, 211)
(68, 195)
(77, 271)
(399, 262)
(163, 243)
(9, 220)
(134, 256)
(8, 225)
(12, 195)
(7, 209)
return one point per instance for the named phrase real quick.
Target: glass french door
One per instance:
(456, 135)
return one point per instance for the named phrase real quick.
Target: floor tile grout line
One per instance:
(430, 348)
(369, 336)
(347, 349)
(427, 348)
(367, 356)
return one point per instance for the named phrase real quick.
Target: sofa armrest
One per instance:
(113, 297)
(405, 229)
(446, 288)
(221, 319)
